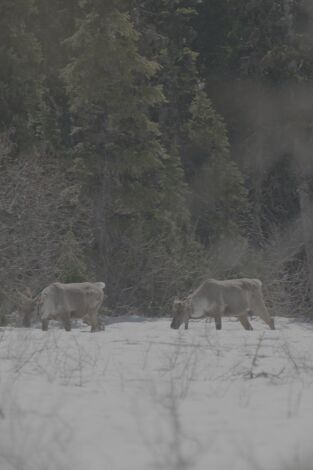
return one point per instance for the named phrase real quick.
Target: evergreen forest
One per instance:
(151, 144)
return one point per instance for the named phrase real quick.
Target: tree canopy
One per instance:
(158, 142)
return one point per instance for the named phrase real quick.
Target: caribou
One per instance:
(213, 298)
(66, 301)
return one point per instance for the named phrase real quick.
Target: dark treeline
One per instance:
(153, 143)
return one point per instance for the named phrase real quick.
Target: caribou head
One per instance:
(181, 313)
(26, 306)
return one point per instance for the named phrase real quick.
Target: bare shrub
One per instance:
(169, 443)
(41, 203)
(31, 440)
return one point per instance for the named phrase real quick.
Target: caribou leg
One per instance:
(93, 319)
(27, 319)
(66, 320)
(245, 322)
(218, 321)
(44, 324)
(260, 309)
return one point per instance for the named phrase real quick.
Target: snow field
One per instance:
(142, 396)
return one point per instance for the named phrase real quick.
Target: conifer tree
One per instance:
(166, 36)
(20, 72)
(55, 23)
(219, 199)
(189, 122)
(138, 186)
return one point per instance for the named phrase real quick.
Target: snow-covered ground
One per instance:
(141, 396)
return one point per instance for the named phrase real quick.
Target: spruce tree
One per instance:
(20, 70)
(219, 202)
(137, 185)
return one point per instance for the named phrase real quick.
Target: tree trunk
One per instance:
(258, 170)
(102, 204)
(303, 156)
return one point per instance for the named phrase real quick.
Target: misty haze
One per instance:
(156, 234)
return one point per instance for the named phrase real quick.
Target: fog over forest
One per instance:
(152, 144)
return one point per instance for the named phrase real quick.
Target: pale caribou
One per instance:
(63, 302)
(233, 297)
